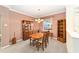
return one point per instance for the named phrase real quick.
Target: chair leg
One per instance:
(30, 41)
(47, 41)
(45, 45)
(38, 48)
(33, 42)
(42, 47)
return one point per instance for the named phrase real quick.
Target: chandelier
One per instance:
(39, 20)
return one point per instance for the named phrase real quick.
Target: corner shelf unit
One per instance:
(62, 31)
(26, 29)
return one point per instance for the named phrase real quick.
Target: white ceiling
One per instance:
(32, 10)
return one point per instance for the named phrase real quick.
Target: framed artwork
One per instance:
(47, 24)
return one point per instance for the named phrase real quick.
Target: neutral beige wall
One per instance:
(54, 19)
(5, 30)
(15, 24)
(13, 20)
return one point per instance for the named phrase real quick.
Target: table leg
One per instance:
(33, 42)
(30, 41)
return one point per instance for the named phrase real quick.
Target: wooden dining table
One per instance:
(36, 36)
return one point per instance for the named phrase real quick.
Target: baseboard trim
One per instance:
(19, 40)
(9, 45)
(5, 46)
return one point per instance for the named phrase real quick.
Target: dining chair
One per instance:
(47, 36)
(42, 42)
(32, 42)
(30, 33)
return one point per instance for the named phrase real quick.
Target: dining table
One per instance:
(36, 36)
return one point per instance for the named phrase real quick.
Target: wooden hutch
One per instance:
(26, 29)
(62, 30)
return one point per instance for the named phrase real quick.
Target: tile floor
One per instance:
(24, 47)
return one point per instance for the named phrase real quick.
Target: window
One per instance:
(47, 24)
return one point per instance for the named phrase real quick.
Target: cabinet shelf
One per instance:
(62, 30)
(26, 29)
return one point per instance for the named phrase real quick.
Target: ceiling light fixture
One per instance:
(38, 20)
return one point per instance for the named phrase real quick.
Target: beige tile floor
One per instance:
(24, 47)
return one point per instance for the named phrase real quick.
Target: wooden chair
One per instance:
(47, 34)
(42, 42)
(32, 41)
(30, 33)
